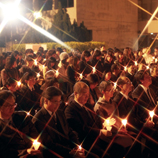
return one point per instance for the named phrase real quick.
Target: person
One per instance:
(51, 123)
(82, 119)
(104, 106)
(16, 129)
(115, 72)
(10, 70)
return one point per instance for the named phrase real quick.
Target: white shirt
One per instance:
(144, 88)
(126, 96)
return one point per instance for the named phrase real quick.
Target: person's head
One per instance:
(20, 55)
(50, 82)
(51, 62)
(41, 49)
(107, 89)
(93, 80)
(29, 79)
(143, 77)
(49, 74)
(115, 69)
(81, 92)
(15, 54)
(29, 61)
(86, 55)
(107, 76)
(124, 84)
(109, 57)
(52, 98)
(11, 84)
(154, 71)
(7, 104)
(156, 51)
(130, 68)
(58, 51)
(50, 53)
(39, 56)
(97, 54)
(64, 57)
(29, 52)
(10, 62)
(102, 48)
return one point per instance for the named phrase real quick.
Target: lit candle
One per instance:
(36, 144)
(156, 60)
(38, 75)
(19, 83)
(147, 67)
(135, 63)
(151, 113)
(81, 76)
(115, 85)
(57, 73)
(35, 62)
(153, 58)
(94, 70)
(125, 68)
(124, 122)
(28, 113)
(80, 147)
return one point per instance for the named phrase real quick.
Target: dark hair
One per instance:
(92, 78)
(15, 53)
(10, 61)
(114, 67)
(29, 58)
(39, 54)
(10, 81)
(27, 76)
(49, 82)
(140, 75)
(50, 92)
(96, 54)
(121, 80)
(28, 51)
(4, 94)
(50, 53)
(49, 61)
(85, 54)
(104, 84)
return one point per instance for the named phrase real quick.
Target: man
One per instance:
(81, 119)
(16, 129)
(144, 96)
(115, 70)
(51, 124)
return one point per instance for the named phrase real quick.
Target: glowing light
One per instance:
(35, 62)
(115, 85)
(28, 113)
(57, 73)
(135, 62)
(153, 58)
(81, 76)
(125, 68)
(80, 147)
(44, 59)
(66, 103)
(36, 144)
(42, 31)
(147, 67)
(11, 11)
(37, 15)
(19, 83)
(151, 113)
(156, 60)
(151, 33)
(124, 122)
(94, 70)
(38, 75)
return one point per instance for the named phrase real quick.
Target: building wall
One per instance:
(112, 21)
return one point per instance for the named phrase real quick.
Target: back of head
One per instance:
(10, 61)
(92, 78)
(103, 85)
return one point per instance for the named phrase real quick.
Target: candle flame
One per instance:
(79, 147)
(94, 70)
(156, 60)
(38, 75)
(124, 122)
(36, 144)
(19, 83)
(147, 67)
(35, 62)
(151, 113)
(125, 68)
(81, 76)
(57, 73)
(115, 85)
(28, 113)
(135, 63)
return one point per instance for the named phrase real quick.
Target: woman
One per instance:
(10, 70)
(104, 106)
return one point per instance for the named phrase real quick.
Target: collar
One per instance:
(144, 88)
(31, 88)
(50, 113)
(78, 103)
(126, 96)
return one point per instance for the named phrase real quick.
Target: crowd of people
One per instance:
(98, 103)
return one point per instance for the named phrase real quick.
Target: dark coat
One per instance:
(11, 141)
(56, 134)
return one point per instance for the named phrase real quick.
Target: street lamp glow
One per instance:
(10, 11)
(37, 15)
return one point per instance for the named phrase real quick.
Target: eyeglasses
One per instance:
(9, 106)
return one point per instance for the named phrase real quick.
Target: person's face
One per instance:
(131, 69)
(92, 86)
(98, 57)
(7, 109)
(52, 64)
(107, 76)
(109, 91)
(13, 87)
(87, 58)
(31, 82)
(109, 59)
(147, 79)
(53, 104)
(128, 86)
(155, 51)
(83, 96)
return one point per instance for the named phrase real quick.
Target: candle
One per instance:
(151, 113)
(94, 70)
(36, 144)
(135, 63)
(28, 113)
(57, 73)
(35, 62)
(147, 67)
(125, 68)
(124, 122)
(115, 85)
(19, 83)
(81, 76)
(156, 60)
(38, 75)
(80, 147)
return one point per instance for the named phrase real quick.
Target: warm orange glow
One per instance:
(36, 144)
